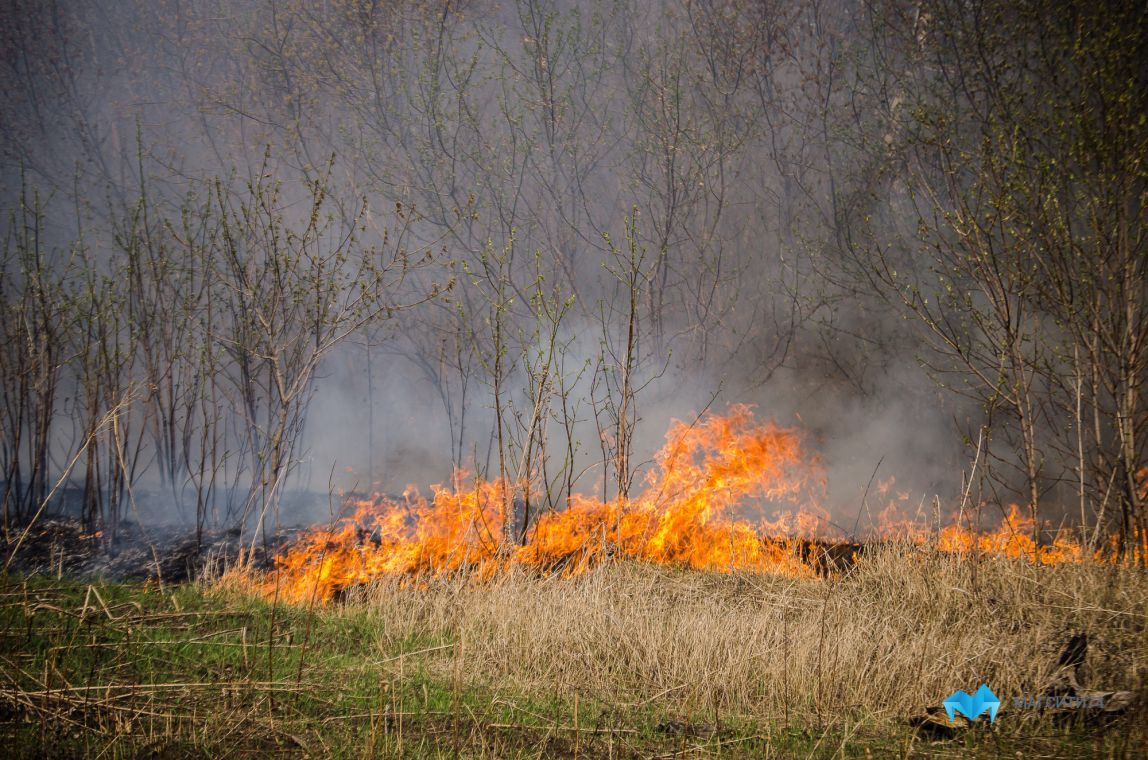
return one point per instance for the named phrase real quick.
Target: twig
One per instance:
(864, 501)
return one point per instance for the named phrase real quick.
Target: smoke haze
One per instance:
(578, 200)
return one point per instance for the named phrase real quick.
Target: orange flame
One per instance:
(701, 505)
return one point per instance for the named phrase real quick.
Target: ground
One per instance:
(627, 661)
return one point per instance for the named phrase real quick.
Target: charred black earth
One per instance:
(62, 547)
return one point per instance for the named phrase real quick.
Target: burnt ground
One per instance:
(61, 547)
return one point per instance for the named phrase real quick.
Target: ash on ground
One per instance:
(61, 547)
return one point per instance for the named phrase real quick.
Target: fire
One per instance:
(703, 504)
(695, 508)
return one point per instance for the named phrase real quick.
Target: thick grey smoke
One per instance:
(548, 122)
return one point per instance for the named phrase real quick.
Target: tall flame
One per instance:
(702, 505)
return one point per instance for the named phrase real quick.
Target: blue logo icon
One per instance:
(972, 706)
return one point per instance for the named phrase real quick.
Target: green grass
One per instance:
(118, 670)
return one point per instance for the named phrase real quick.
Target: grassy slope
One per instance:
(629, 661)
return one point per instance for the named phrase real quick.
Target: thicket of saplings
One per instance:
(802, 177)
(186, 349)
(183, 349)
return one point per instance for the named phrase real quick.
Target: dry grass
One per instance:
(627, 661)
(901, 631)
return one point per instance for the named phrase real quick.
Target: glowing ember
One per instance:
(702, 506)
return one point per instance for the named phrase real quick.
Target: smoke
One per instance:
(548, 123)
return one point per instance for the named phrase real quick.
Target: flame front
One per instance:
(702, 505)
(694, 509)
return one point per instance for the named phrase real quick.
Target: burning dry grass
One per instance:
(702, 505)
(725, 493)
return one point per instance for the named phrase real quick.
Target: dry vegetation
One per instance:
(629, 660)
(902, 631)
